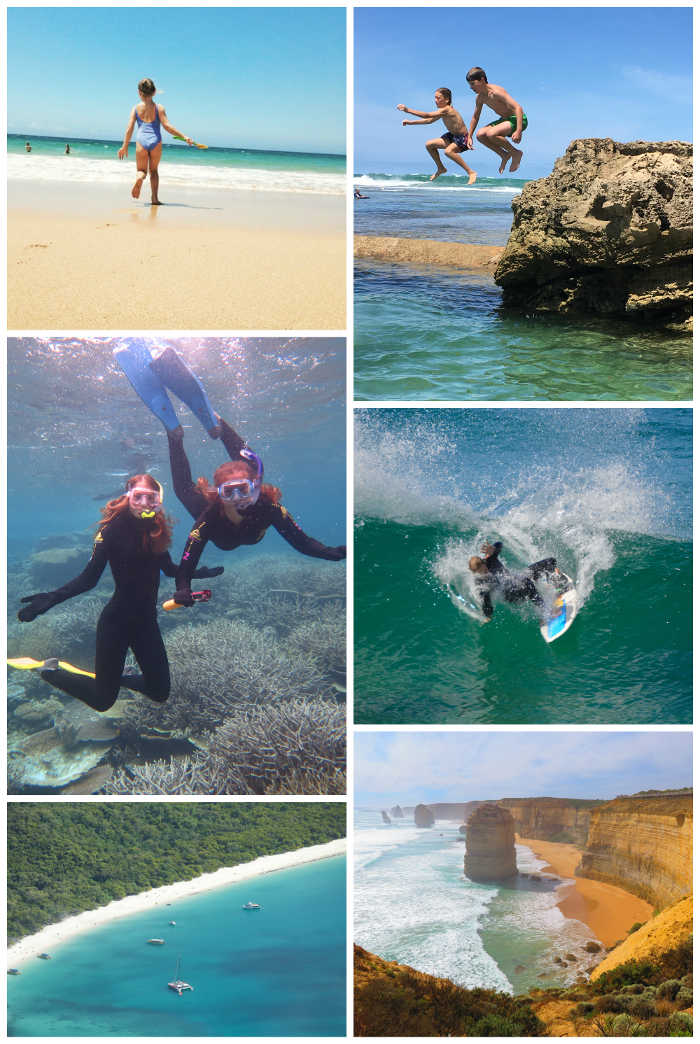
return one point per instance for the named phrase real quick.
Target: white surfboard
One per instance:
(562, 613)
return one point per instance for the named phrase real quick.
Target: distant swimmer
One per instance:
(358, 195)
(511, 121)
(453, 142)
(149, 146)
(491, 575)
(27, 146)
(67, 152)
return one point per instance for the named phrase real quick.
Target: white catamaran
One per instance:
(177, 984)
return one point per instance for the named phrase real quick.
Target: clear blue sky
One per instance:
(409, 767)
(618, 72)
(271, 78)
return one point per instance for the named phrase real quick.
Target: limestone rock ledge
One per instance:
(608, 232)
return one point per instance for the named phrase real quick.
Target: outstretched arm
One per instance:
(37, 604)
(294, 535)
(169, 127)
(124, 150)
(425, 117)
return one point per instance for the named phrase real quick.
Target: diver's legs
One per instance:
(149, 650)
(111, 648)
(177, 376)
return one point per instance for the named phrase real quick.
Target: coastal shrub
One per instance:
(657, 1026)
(626, 1026)
(635, 927)
(585, 1008)
(496, 1026)
(676, 962)
(687, 980)
(681, 1024)
(642, 1008)
(668, 989)
(684, 997)
(624, 974)
(634, 987)
(614, 1002)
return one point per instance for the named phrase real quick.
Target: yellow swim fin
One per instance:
(26, 663)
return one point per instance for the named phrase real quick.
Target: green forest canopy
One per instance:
(69, 857)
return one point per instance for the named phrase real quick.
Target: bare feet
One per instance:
(503, 164)
(438, 172)
(472, 177)
(515, 162)
(156, 203)
(138, 184)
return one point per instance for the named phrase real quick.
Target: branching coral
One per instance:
(289, 747)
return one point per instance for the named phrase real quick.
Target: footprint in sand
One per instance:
(43, 245)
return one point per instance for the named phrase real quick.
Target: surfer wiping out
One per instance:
(491, 576)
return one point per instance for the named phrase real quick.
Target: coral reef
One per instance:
(289, 747)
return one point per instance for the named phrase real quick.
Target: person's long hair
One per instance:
(231, 470)
(158, 536)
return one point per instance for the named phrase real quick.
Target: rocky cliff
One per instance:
(490, 844)
(655, 938)
(643, 844)
(608, 232)
(551, 819)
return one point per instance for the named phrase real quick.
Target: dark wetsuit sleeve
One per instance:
(190, 556)
(486, 604)
(493, 563)
(287, 527)
(185, 489)
(89, 577)
(167, 565)
(231, 440)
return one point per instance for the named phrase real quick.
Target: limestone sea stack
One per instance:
(608, 232)
(490, 842)
(385, 817)
(423, 817)
(397, 812)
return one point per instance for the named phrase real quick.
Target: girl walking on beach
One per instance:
(133, 539)
(149, 146)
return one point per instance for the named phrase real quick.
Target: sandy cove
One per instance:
(471, 257)
(54, 934)
(609, 911)
(91, 259)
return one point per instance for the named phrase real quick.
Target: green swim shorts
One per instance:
(513, 122)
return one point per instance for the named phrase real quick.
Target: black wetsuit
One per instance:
(213, 525)
(127, 621)
(515, 587)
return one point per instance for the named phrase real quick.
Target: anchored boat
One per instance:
(178, 985)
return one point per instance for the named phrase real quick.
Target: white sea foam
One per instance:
(107, 171)
(397, 182)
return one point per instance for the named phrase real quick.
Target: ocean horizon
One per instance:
(215, 167)
(278, 971)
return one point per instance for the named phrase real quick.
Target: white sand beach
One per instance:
(54, 934)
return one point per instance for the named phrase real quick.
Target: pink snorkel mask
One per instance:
(243, 492)
(144, 501)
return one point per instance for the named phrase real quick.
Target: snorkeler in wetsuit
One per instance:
(133, 538)
(491, 575)
(239, 509)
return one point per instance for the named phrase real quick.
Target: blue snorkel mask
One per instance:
(242, 493)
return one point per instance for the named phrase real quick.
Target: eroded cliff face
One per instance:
(644, 845)
(608, 232)
(551, 819)
(490, 841)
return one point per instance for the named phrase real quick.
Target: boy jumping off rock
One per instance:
(453, 142)
(511, 121)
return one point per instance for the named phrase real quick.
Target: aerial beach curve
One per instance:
(55, 934)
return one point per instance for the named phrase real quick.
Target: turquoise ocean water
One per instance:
(279, 971)
(414, 905)
(606, 491)
(422, 332)
(213, 167)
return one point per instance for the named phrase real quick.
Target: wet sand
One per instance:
(469, 256)
(54, 934)
(609, 911)
(90, 257)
